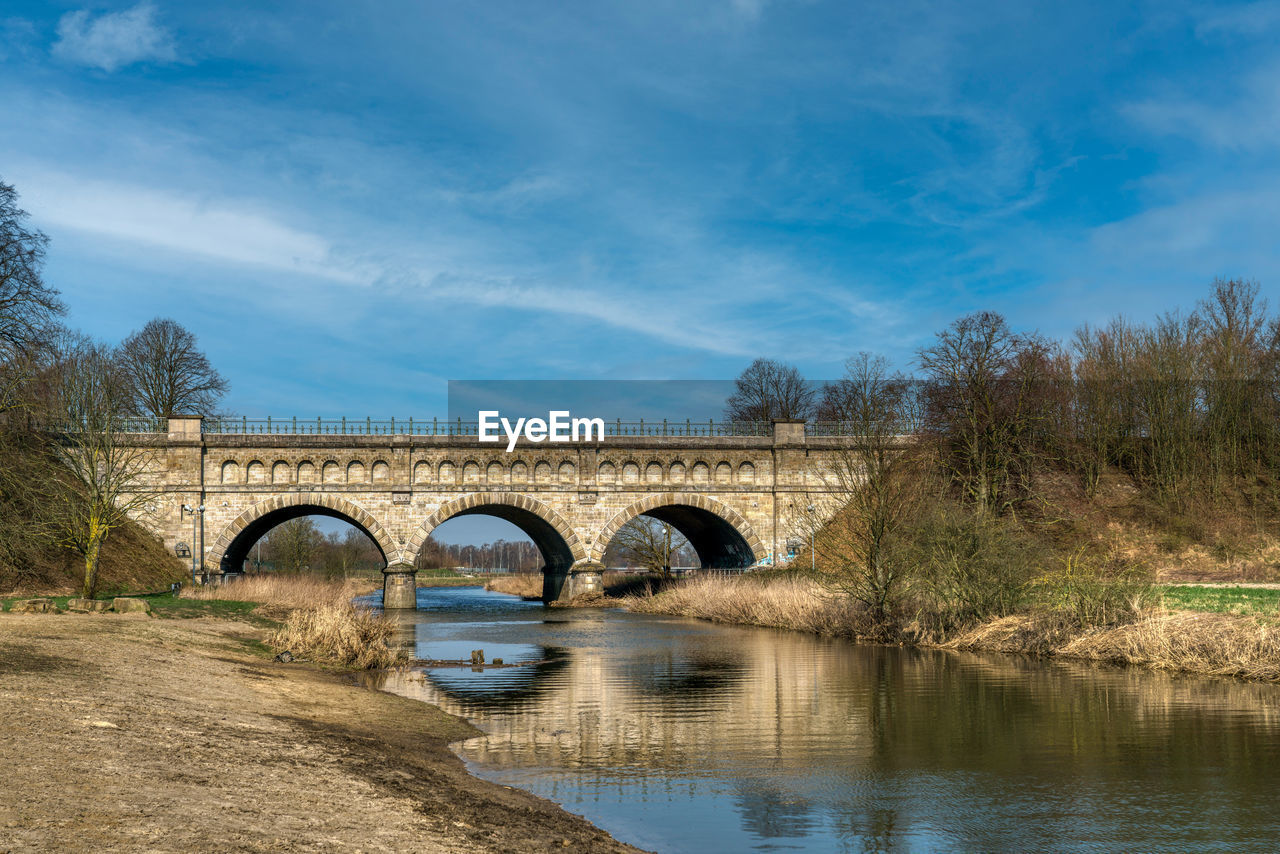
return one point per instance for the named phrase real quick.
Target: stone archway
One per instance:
(558, 543)
(720, 535)
(530, 515)
(232, 545)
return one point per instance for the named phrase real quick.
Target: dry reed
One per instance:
(1207, 643)
(517, 584)
(1216, 644)
(320, 622)
(785, 603)
(281, 590)
(340, 633)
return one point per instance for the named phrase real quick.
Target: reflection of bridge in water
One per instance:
(789, 728)
(736, 492)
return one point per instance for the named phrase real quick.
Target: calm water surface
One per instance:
(678, 735)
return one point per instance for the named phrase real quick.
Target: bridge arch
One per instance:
(232, 545)
(555, 539)
(720, 535)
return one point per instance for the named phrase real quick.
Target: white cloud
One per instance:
(113, 40)
(228, 231)
(1242, 115)
(677, 323)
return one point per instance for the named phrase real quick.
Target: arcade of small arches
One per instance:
(673, 472)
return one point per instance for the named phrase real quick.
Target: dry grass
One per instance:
(340, 633)
(1216, 644)
(282, 591)
(785, 603)
(1212, 644)
(517, 584)
(320, 622)
(1194, 642)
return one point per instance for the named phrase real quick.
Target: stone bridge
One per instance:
(738, 499)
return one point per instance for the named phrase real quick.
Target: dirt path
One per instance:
(138, 734)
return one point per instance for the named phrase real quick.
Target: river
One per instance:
(683, 736)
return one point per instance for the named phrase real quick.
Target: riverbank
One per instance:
(1210, 642)
(121, 733)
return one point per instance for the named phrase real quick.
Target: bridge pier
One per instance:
(399, 587)
(583, 577)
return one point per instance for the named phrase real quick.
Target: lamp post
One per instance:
(197, 547)
(813, 562)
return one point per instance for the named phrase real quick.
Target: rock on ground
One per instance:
(34, 606)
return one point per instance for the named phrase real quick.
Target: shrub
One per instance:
(340, 633)
(971, 567)
(1094, 590)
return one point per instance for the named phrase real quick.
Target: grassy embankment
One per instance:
(1109, 576)
(1229, 631)
(132, 561)
(516, 584)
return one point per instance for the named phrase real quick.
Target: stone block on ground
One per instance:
(88, 606)
(126, 605)
(34, 606)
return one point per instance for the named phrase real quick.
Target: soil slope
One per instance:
(125, 734)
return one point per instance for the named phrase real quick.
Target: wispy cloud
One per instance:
(234, 233)
(17, 38)
(1247, 19)
(241, 232)
(1243, 115)
(113, 40)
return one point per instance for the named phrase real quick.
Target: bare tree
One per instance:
(28, 307)
(1103, 412)
(1169, 406)
(1240, 366)
(649, 543)
(167, 372)
(874, 485)
(339, 554)
(514, 556)
(104, 475)
(985, 406)
(769, 390)
(291, 546)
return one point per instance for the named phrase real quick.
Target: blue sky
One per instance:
(351, 203)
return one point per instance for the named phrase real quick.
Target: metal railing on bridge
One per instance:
(843, 428)
(122, 424)
(444, 427)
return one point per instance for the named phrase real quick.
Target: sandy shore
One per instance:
(142, 734)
